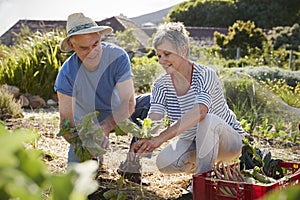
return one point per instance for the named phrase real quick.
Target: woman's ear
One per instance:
(184, 51)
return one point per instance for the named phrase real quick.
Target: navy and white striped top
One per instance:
(205, 88)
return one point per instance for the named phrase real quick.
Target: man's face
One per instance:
(88, 49)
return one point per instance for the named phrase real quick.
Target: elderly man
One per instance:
(96, 77)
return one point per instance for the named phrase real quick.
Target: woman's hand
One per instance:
(144, 146)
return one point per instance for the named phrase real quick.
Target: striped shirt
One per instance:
(205, 88)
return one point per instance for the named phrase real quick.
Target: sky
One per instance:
(11, 11)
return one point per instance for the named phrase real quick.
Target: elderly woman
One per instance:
(191, 96)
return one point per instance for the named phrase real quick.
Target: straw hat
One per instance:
(79, 24)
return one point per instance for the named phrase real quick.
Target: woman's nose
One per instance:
(161, 60)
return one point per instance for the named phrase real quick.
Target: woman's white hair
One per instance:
(176, 33)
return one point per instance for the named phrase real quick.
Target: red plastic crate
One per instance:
(207, 188)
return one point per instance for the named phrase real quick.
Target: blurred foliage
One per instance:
(291, 192)
(289, 94)
(256, 48)
(265, 73)
(24, 175)
(245, 105)
(267, 14)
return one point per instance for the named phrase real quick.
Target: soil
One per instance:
(162, 186)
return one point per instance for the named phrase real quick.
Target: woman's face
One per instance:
(168, 56)
(88, 48)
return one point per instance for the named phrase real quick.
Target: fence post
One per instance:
(291, 59)
(238, 53)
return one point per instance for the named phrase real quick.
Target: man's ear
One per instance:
(70, 44)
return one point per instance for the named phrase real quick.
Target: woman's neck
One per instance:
(182, 79)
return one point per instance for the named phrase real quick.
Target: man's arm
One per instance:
(126, 108)
(65, 110)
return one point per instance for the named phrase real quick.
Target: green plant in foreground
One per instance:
(291, 192)
(23, 174)
(86, 137)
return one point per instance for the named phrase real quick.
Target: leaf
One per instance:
(11, 142)
(62, 186)
(19, 186)
(29, 158)
(85, 182)
(120, 132)
(128, 127)
(66, 128)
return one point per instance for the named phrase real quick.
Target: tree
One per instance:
(269, 13)
(242, 35)
(222, 13)
(127, 40)
(288, 37)
(214, 13)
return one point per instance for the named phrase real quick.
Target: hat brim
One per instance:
(103, 30)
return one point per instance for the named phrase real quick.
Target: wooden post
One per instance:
(238, 53)
(291, 59)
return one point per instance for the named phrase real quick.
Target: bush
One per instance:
(145, 71)
(237, 63)
(289, 37)
(243, 35)
(9, 108)
(241, 97)
(254, 102)
(264, 73)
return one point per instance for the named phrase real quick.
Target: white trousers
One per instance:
(214, 141)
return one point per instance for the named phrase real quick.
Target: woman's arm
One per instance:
(188, 120)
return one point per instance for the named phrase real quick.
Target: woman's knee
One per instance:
(185, 163)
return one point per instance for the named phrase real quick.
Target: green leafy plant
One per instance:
(145, 71)
(128, 127)
(265, 127)
(33, 62)
(86, 137)
(23, 174)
